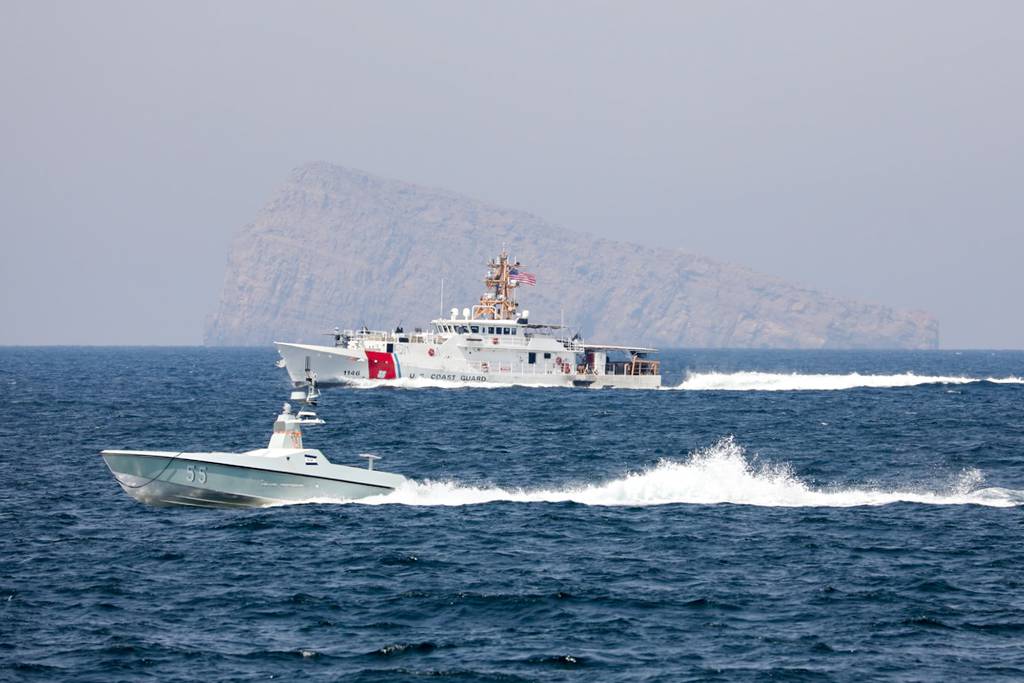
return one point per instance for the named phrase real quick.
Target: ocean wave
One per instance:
(721, 473)
(771, 381)
(720, 381)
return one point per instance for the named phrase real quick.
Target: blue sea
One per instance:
(769, 516)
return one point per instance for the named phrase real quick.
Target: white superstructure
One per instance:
(490, 343)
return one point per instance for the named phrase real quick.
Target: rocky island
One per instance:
(339, 247)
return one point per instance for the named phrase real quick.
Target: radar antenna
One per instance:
(499, 301)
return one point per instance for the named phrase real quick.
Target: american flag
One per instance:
(517, 275)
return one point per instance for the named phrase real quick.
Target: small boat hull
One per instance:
(226, 480)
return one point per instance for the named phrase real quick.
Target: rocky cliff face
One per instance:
(341, 247)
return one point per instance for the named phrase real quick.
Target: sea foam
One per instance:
(770, 381)
(721, 473)
(722, 381)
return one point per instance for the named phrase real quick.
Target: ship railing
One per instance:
(392, 337)
(637, 366)
(367, 335)
(573, 345)
(519, 368)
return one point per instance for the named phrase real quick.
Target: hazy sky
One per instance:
(871, 149)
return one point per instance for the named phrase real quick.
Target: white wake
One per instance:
(720, 381)
(771, 381)
(721, 473)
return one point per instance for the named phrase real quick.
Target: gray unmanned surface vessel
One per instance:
(283, 472)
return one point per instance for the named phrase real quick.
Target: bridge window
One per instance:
(475, 328)
(506, 330)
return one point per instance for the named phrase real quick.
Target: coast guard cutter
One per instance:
(492, 343)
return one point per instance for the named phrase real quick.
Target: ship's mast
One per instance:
(499, 301)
